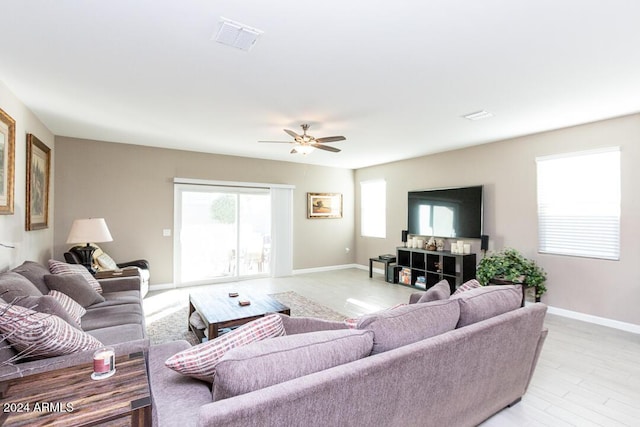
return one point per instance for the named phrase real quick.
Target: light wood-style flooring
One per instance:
(587, 375)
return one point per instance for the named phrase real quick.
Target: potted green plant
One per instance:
(510, 266)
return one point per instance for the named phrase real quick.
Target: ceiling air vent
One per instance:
(478, 115)
(237, 35)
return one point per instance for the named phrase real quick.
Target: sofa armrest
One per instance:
(301, 325)
(115, 284)
(140, 263)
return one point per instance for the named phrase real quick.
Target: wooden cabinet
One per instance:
(434, 266)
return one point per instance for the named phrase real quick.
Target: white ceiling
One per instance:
(394, 77)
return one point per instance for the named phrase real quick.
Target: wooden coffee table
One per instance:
(218, 310)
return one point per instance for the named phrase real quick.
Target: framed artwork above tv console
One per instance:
(434, 266)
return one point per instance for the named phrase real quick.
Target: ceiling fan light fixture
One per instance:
(305, 149)
(237, 35)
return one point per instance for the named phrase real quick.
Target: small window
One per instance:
(579, 204)
(373, 204)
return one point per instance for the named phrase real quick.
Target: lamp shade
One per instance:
(89, 230)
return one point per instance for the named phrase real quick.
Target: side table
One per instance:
(386, 262)
(69, 397)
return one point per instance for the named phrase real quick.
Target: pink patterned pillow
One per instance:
(352, 323)
(75, 310)
(200, 361)
(58, 267)
(39, 335)
(467, 286)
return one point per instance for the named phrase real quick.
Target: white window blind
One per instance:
(579, 204)
(373, 205)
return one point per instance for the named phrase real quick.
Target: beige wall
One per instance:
(507, 169)
(29, 245)
(131, 187)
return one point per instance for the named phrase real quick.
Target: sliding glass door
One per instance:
(222, 233)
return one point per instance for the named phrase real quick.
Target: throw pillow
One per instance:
(75, 310)
(487, 301)
(409, 324)
(48, 305)
(35, 272)
(269, 362)
(39, 335)
(200, 361)
(57, 267)
(14, 285)
(352, 322)
(467, 286)
(74, 286)
(106, 262)
(440, 290)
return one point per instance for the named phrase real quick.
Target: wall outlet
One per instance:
(166, 232)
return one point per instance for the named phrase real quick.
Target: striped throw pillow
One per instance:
(200, 361)
(75, 310)
(467, 286)
(58, 267)
(40, 335)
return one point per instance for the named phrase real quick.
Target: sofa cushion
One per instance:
(49, 305)
(301, 325)
(467, 286)
(62, 268)
(176, 398)
(104, 317)
(411, 323)
(122, 333)
(35, 272)
(118, 298)
(440, 290)
(75, 286)
(75, 310)
(487, 301)
(106, 262)
(265, 363)
(38, 335)
(13, 285)
(200, 361)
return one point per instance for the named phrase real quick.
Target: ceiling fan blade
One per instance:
(280, 142)
(326, 148)
(330, 139)
(292, 133)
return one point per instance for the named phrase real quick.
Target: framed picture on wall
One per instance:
(324, 205)
(38, 167)
(7, 156)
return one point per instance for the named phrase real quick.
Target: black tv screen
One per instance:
(447, 212)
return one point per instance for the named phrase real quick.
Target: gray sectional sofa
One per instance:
(449, 362)
(116, 320)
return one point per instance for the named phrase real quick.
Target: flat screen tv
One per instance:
(446, 212)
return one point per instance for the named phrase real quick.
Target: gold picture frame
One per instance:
(38, 171)
(7, 159)
(324, 205)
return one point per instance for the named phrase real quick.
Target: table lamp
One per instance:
(86, 231)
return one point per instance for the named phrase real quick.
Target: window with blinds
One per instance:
(579, 204)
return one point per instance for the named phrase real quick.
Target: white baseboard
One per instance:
(628, 327)
(327, 268)
(161, 287)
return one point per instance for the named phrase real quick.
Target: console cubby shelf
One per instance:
(435, 266)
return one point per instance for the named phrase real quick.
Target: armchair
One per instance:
(106, 267)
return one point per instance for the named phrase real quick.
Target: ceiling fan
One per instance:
(306, 143)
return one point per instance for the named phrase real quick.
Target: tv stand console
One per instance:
(435, 266)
